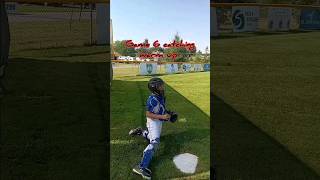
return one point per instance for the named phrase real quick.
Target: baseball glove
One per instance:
(173, 116)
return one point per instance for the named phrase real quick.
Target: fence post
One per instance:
(214, 22)
(103, 23)
(4, 42)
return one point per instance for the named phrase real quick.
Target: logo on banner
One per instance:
(171, 68)
(310, 19)
(186, 67)
(238, 20)
(245, 19)
(206, 67)
(11, 7)
(149, 68)
(279, 19)
(197, 67)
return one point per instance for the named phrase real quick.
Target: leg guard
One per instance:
(149, 152)
(145, 135)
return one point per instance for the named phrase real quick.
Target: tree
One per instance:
(121, 48)
(206, 51)
(182, 52)
(207, 54)
(143, 50)
(160, 49)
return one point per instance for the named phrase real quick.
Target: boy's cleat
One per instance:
(142, 172)
(148, 170)
(136, 132)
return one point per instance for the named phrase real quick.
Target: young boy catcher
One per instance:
(156, 114)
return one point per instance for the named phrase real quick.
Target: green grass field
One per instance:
(266, 106)
(188, 94)
(54, 117)
(28, 36)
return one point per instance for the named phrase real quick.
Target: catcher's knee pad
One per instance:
(154, 145)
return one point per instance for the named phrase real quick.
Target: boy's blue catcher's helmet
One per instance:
(154, 84)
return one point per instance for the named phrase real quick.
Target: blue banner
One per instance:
(310, 19)
(206, 67)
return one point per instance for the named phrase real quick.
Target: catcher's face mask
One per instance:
(156, 86)
(161, 89)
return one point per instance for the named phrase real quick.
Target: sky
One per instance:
(161, 20)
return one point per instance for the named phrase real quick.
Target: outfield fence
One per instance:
(75, 31)
(134, 68)
(43, 25)
(255, 17)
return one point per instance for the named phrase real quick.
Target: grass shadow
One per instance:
(243, 151)
(54, 120)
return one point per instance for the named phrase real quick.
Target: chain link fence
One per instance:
(35, 26)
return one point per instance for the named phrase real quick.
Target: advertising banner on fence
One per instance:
(171, 68)
(310, 19)
(148, 68)
(279, 19)
(206, 67)
(185, 67)
(245, 19)
(197, 67)
(11, 7)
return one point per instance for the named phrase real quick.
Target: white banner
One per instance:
(171, 68)
(197, 67)
(11, 7)
(185, 67)
(245, 18)
(148, 68)
(279, 19)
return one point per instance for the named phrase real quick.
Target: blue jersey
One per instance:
(156, 104)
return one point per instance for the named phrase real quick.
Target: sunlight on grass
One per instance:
(121, 142)
(191, 134)
(205, 175)
(273, 81)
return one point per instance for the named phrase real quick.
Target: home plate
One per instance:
(186, 163)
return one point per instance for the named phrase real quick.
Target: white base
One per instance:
(186, 163)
